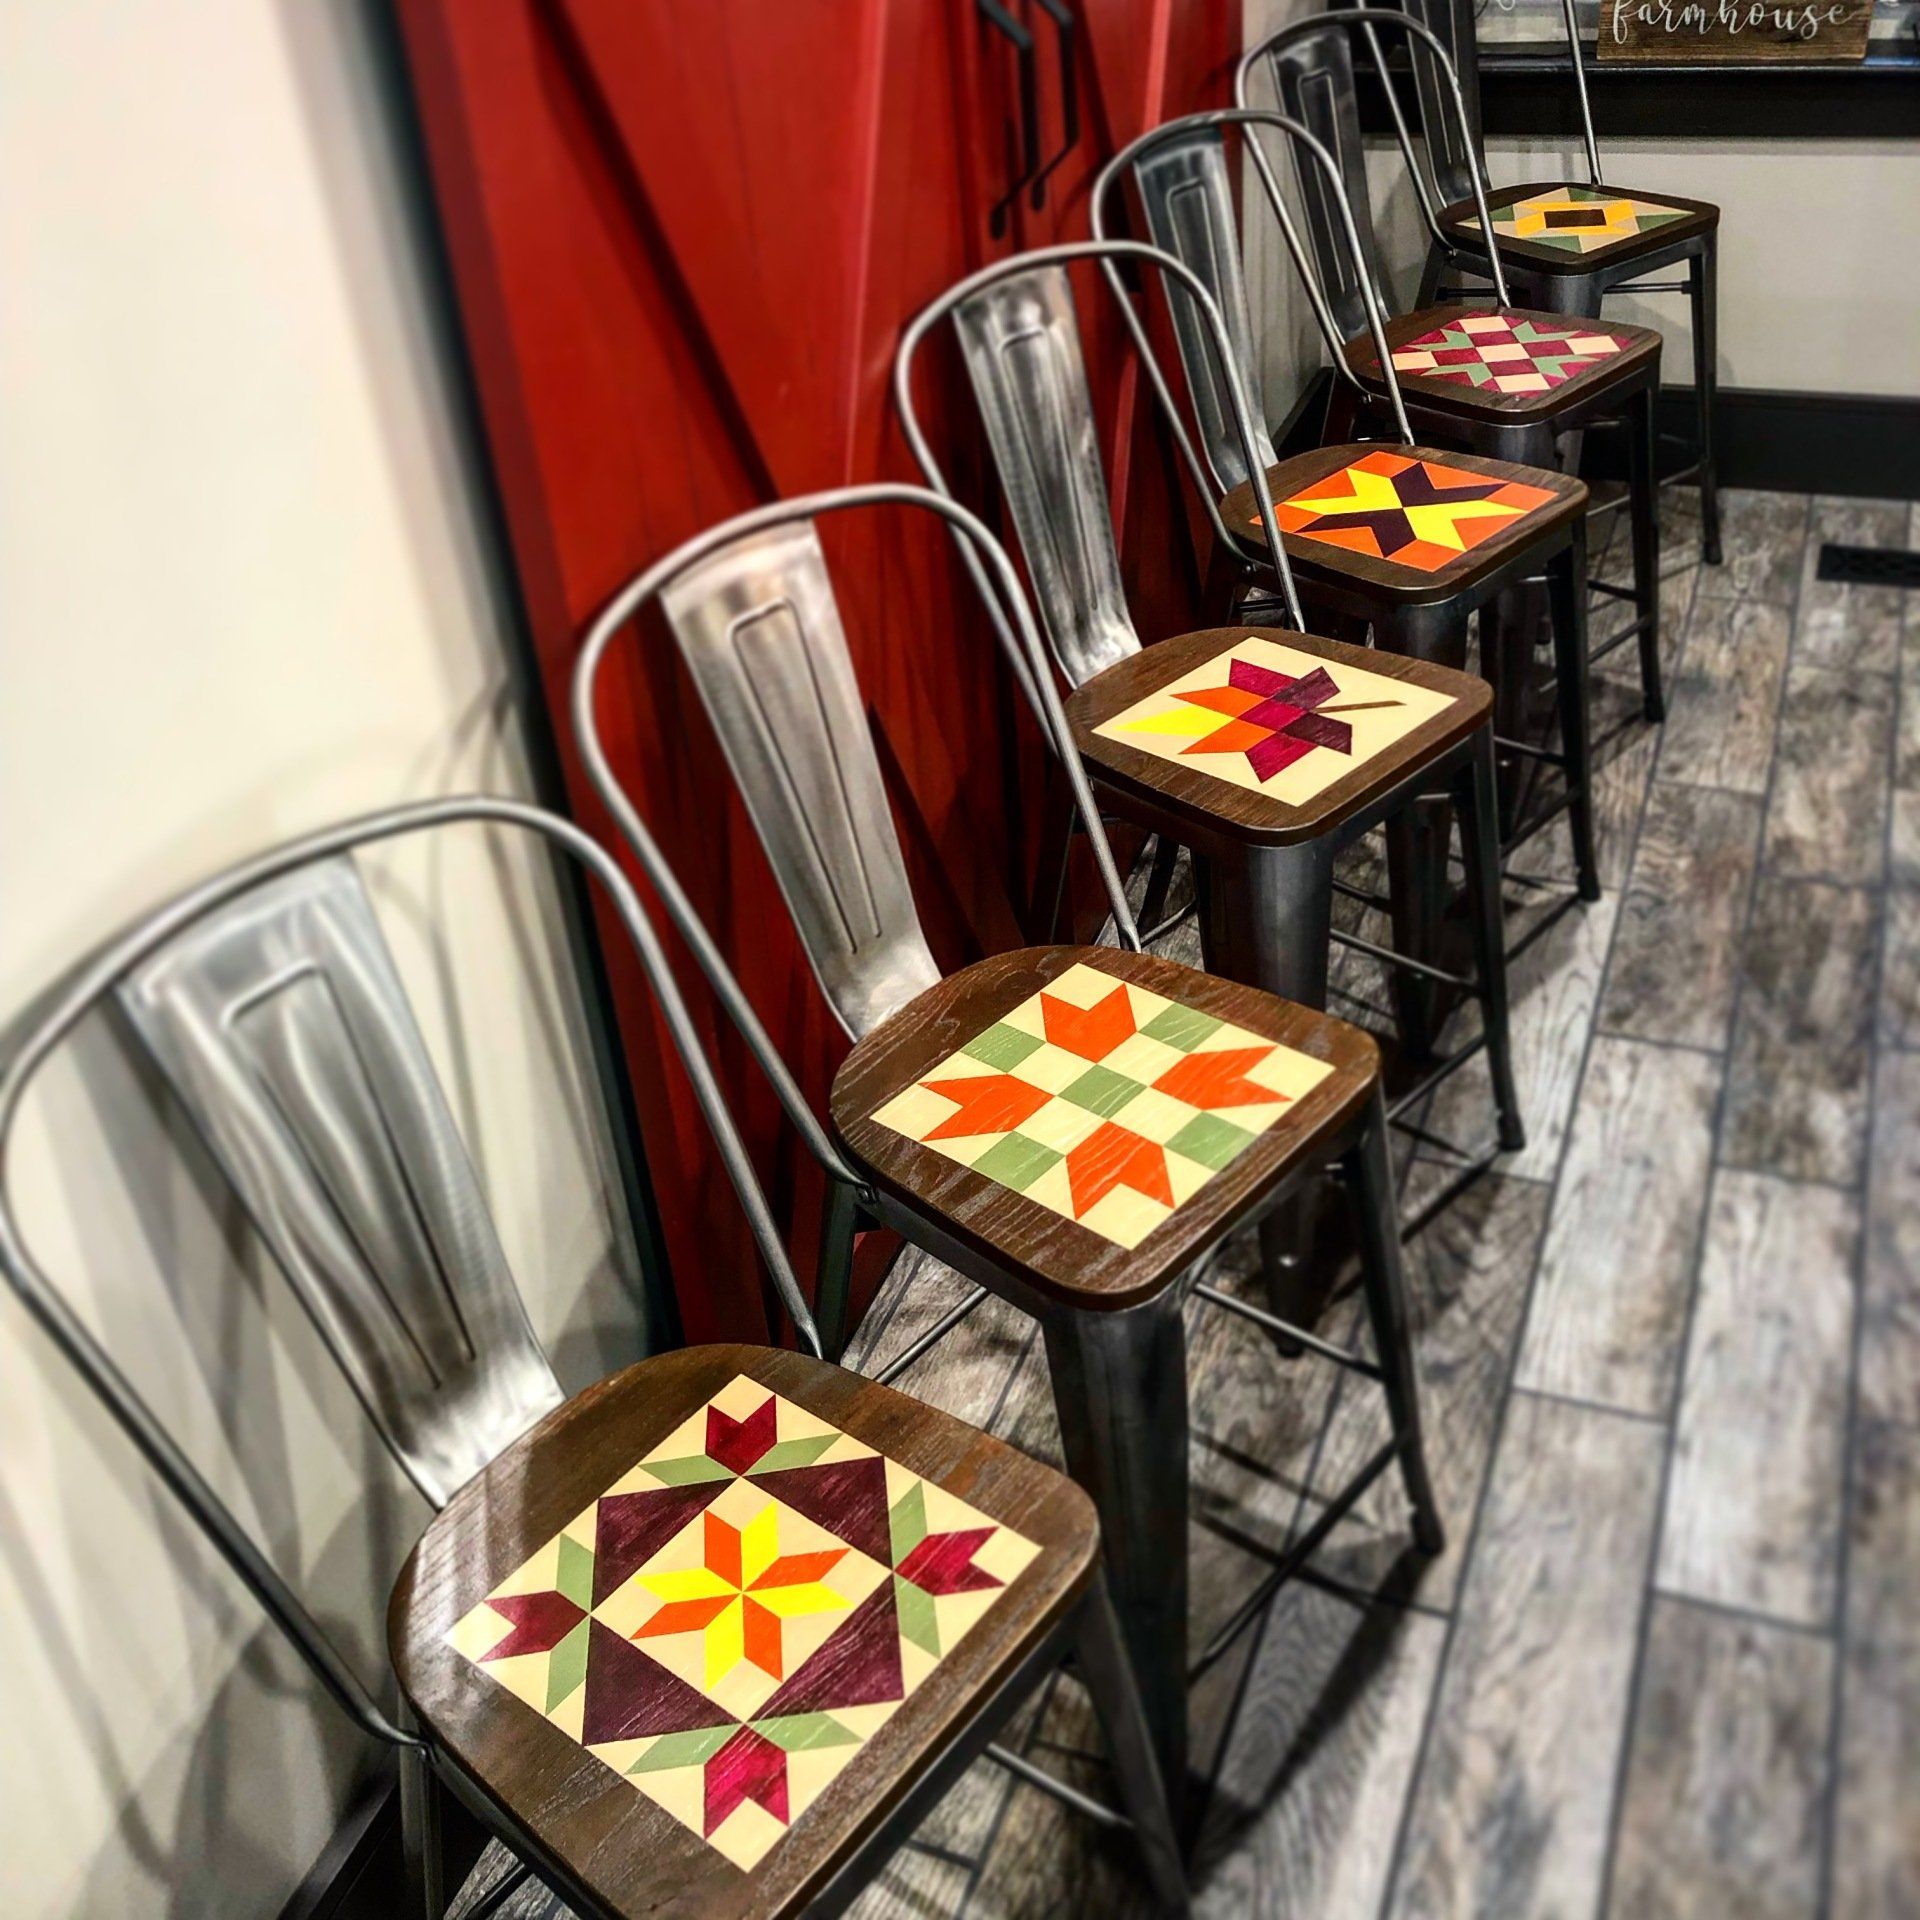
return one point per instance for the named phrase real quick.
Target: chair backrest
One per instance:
(1180, 170)
(760, 631)
(1310, 67)
(271, 1003)
(1453, 140)
(281, 1025)
(752, 608)
(1019, 332)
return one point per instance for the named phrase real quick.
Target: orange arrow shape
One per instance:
(1219, 1079)
(1091, 1032)
(986, 1103)
(1113, 1156)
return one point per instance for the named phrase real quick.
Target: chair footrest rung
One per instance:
(932, 1337)
(1388, 958)
(1088, 1808)
(1612, 589)
(1289, 1563)
(1442, 1070)
(1285, 1329)
(1448, 1194)
(1615, 641)
(1528, 751)
(1543, 926)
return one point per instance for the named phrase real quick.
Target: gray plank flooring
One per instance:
(1669, 1664)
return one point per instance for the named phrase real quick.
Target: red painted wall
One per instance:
(685, 236)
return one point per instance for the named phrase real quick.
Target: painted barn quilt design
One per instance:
(1103, 1102)
(737, 1615)
(1274, 720)
(1505, 352)
(1420, 514)
(1576, 219)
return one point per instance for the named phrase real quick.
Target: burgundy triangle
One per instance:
(847, 1497)
(631, 1696)
(632, 1527)
(858, 1667)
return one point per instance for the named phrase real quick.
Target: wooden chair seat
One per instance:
(698, 1631)
(1570, 228)
(1504, 364)
(1093, 1119)
(1259, 735)
(1409, 525)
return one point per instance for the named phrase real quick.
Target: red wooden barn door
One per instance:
(685, 236)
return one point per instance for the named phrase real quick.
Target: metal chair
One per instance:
(1413, 542)
(1264, 814)
(535, 1651)
(1076, 1129)
(1508, 383)
(1565, 246)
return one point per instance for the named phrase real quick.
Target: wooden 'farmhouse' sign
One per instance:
(1734, 29)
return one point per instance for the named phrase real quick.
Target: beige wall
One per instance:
(240, 594)
(1819, 252)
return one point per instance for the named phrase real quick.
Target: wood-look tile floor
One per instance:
(1669, 1664)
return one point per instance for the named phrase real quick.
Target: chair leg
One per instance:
(833, 1275)
(420, 1835)
(1153, 904)
(1120, 1388)
(1706, 360)
(1480, 846)
(1430, 276)
(1103, 1662)
(1056, 849)
(1644, 513)
(1371, 1177)
(1567, 589)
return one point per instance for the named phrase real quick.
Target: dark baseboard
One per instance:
(360, 1869)
(1865, 445)
(1845, 443)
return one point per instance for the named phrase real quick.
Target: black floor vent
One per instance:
(1870, 566)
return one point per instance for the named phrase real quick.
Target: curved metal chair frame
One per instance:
(1456, 169)
(1181, 166)
(1084, 605)
(1438, 630)
(1267, 910)
(428, 1776)
(1106, 1363)
(863, 979)
(49, 1308)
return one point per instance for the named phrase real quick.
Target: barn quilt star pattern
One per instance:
(1420, 514)
(1103, 1102)
(732, 1620)
(1576, 219)
(1274, 720)
(1505, 352)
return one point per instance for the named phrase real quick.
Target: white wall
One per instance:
(1819, 251)
(240, 594)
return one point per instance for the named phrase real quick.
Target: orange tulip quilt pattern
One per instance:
(1420, 514)
(736, 1616)
(1274, 720)
(1103, 1102)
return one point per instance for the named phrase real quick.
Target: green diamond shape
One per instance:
(1100, 1090)
(1001, 1046)
(1210, 1140)
(1182, 1027)
(1015, 1161)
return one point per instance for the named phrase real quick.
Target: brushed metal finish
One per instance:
(1188, 201)
(283, 1029)
(1020, 338)
(760, 630)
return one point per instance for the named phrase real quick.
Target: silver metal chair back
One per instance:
(1180, 171)
(760, 631)
(1310, 66)
(1018, 329)
(283, 1029)
(752, 607)
(269, 998)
